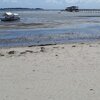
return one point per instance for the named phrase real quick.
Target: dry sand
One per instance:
(58, 72)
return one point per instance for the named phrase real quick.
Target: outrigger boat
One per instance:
(8, 16)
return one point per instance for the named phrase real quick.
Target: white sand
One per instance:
(60, 72)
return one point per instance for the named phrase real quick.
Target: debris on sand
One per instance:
(82, 43)
(74, 46)
(26, 51)
(2, 54)
(11, 52)
(33, 70)
(91, 90)
(29, 51)
(56, 55)
(22, 52)
(42, 49)
(31, 46)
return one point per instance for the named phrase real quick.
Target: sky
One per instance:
(49, 4)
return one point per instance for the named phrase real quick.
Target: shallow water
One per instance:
(50, 27)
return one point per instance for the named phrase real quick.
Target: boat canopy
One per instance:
(8, 14)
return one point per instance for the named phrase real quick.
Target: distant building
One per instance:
(72, 9)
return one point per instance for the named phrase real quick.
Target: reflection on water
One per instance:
(46, 27)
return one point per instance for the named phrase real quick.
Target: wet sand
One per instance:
(20, 25)
(53, 72)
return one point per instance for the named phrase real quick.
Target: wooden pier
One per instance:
(90, 10)
(76, 9)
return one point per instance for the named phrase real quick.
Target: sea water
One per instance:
(55, 27)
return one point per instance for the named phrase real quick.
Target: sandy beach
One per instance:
(55, 72)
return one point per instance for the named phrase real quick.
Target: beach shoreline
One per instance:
(52, 72)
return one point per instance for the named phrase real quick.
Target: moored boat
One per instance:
(8, 16)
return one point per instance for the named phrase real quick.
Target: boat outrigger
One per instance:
(8, 16)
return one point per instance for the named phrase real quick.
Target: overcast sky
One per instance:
(52, 4)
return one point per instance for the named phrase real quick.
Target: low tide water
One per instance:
(50, 27)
